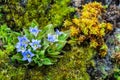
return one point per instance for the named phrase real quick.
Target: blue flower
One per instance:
(58, 32)
(34, 30)
(23, 39)
(21, 47)
(27, 55)
(35, 44)
(52, 38)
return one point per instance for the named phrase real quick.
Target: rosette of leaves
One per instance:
(41, 47)
(90, 27)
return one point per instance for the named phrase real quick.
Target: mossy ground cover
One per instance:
(19, 14)
(83, 44)
(72, 66)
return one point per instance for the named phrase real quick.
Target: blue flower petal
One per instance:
(58, 32)
(35, 44)
(34, 31)
(52, 38)
(24, 58)
(23, 39)
(29, 60)
(21, 47)
(27, 55)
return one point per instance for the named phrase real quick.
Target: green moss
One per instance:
(8, 39)
(9, 72)
(72, 66)
(43, 11)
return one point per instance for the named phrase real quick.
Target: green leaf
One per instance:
(54, 53)
(28, 34)
(64, 36)
(50, 28)
(60, 45)
(46, 30)
(118, 77)
(45, 44)
(40, 64)
(1, 16)
(47, 61)
(34, 23)
(18, 57)
(41, 53)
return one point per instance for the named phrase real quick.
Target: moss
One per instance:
(72, 66)
(8, 39)
(90, 27)
(9, 72)
(19, 14)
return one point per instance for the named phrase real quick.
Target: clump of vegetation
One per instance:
(8, 72)
(7, 43)
(40, 46)
(20, 13)
(7, 40)
(116, 56)
(43, 43)
(73, 65)
(90, 27)
(117, 72)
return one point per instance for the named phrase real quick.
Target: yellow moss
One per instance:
(94, 5)
(86, 14)
(93, 43)
(81, 38)
(74, 31)
(102, 32)
(91, 25)
(103, 50)
(67, 23)
(103, 53)
(76, 21)
(109, 26)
